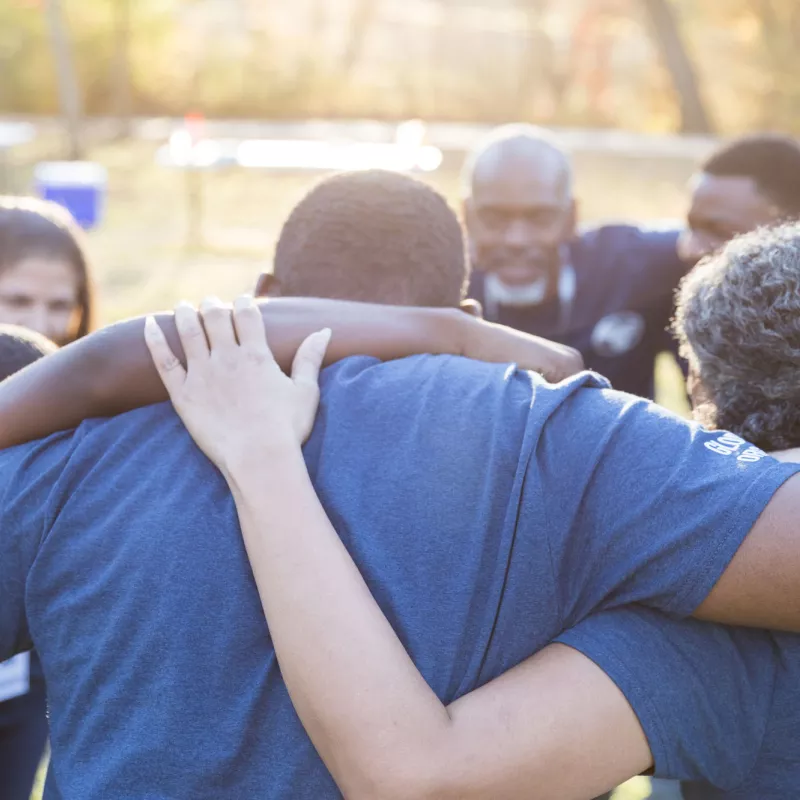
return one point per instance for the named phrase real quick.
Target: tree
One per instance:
(121, 69)
(664, 28)
(361, 19)
(68, 89)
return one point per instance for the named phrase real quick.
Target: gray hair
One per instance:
(738, 321)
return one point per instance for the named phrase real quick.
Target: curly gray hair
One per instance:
(738, 321)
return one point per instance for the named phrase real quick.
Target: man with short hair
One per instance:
(607, 292)
(487, 510)
(373, 236)
(745, 184)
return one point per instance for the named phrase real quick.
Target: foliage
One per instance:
(563, 62)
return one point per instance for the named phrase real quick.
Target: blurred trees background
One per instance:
(649, 65)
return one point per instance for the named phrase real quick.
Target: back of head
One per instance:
(373, 236)
(31, 228)
(771, 161)
(20, 347)
(738, 319)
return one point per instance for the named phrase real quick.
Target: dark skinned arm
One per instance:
(110, 371)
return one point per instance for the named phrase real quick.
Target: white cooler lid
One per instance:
(71, 173)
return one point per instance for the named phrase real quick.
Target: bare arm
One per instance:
(761, 586)
(556, 723)
(791, 456)
(110, 371)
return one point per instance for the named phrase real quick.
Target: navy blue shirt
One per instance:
(487, 510)
(624, 281)
(719, 706)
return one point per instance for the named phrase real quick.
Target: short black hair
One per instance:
(20, 347)
(373, 236)
(771, 161)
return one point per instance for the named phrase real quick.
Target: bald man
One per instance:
(606, 292)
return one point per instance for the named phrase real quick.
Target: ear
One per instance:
(267, 285)
(472, 307)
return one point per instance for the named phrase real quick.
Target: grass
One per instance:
(146, 259)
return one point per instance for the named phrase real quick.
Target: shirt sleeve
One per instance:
(642, 506)
(701, 692)
(28, 475)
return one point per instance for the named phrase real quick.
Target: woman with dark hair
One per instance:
(46, 288)
(45, 280)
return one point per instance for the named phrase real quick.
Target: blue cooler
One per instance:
(79, 186)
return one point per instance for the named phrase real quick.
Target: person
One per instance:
(747, 183)
(166, 604)
(606, 291)
(20, 347)
(23, 700)
(45, 286)
(356, 228)
(725, 703)
(735, 321)
(395, 241)
(45, 280)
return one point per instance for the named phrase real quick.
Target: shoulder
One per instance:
(36, 462)
(640, 262)
(361, 372)
(628, 244)
(620, 236)
(143, 445)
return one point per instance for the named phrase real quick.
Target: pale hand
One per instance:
(232, 396)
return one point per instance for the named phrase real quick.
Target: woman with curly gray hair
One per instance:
(738, 321)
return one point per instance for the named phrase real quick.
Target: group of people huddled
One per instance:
(469, 558)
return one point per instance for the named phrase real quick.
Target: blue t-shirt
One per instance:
(719, 706)
(484, 507)
(624, 282)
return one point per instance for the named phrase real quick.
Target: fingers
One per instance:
(169, 368)
(249, 325)
(309, 357)
(190, 330)
(218, 324)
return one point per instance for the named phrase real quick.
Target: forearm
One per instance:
(111, 371)
(332, 640)
(556, 721)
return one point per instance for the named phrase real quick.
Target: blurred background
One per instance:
(636, 89)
